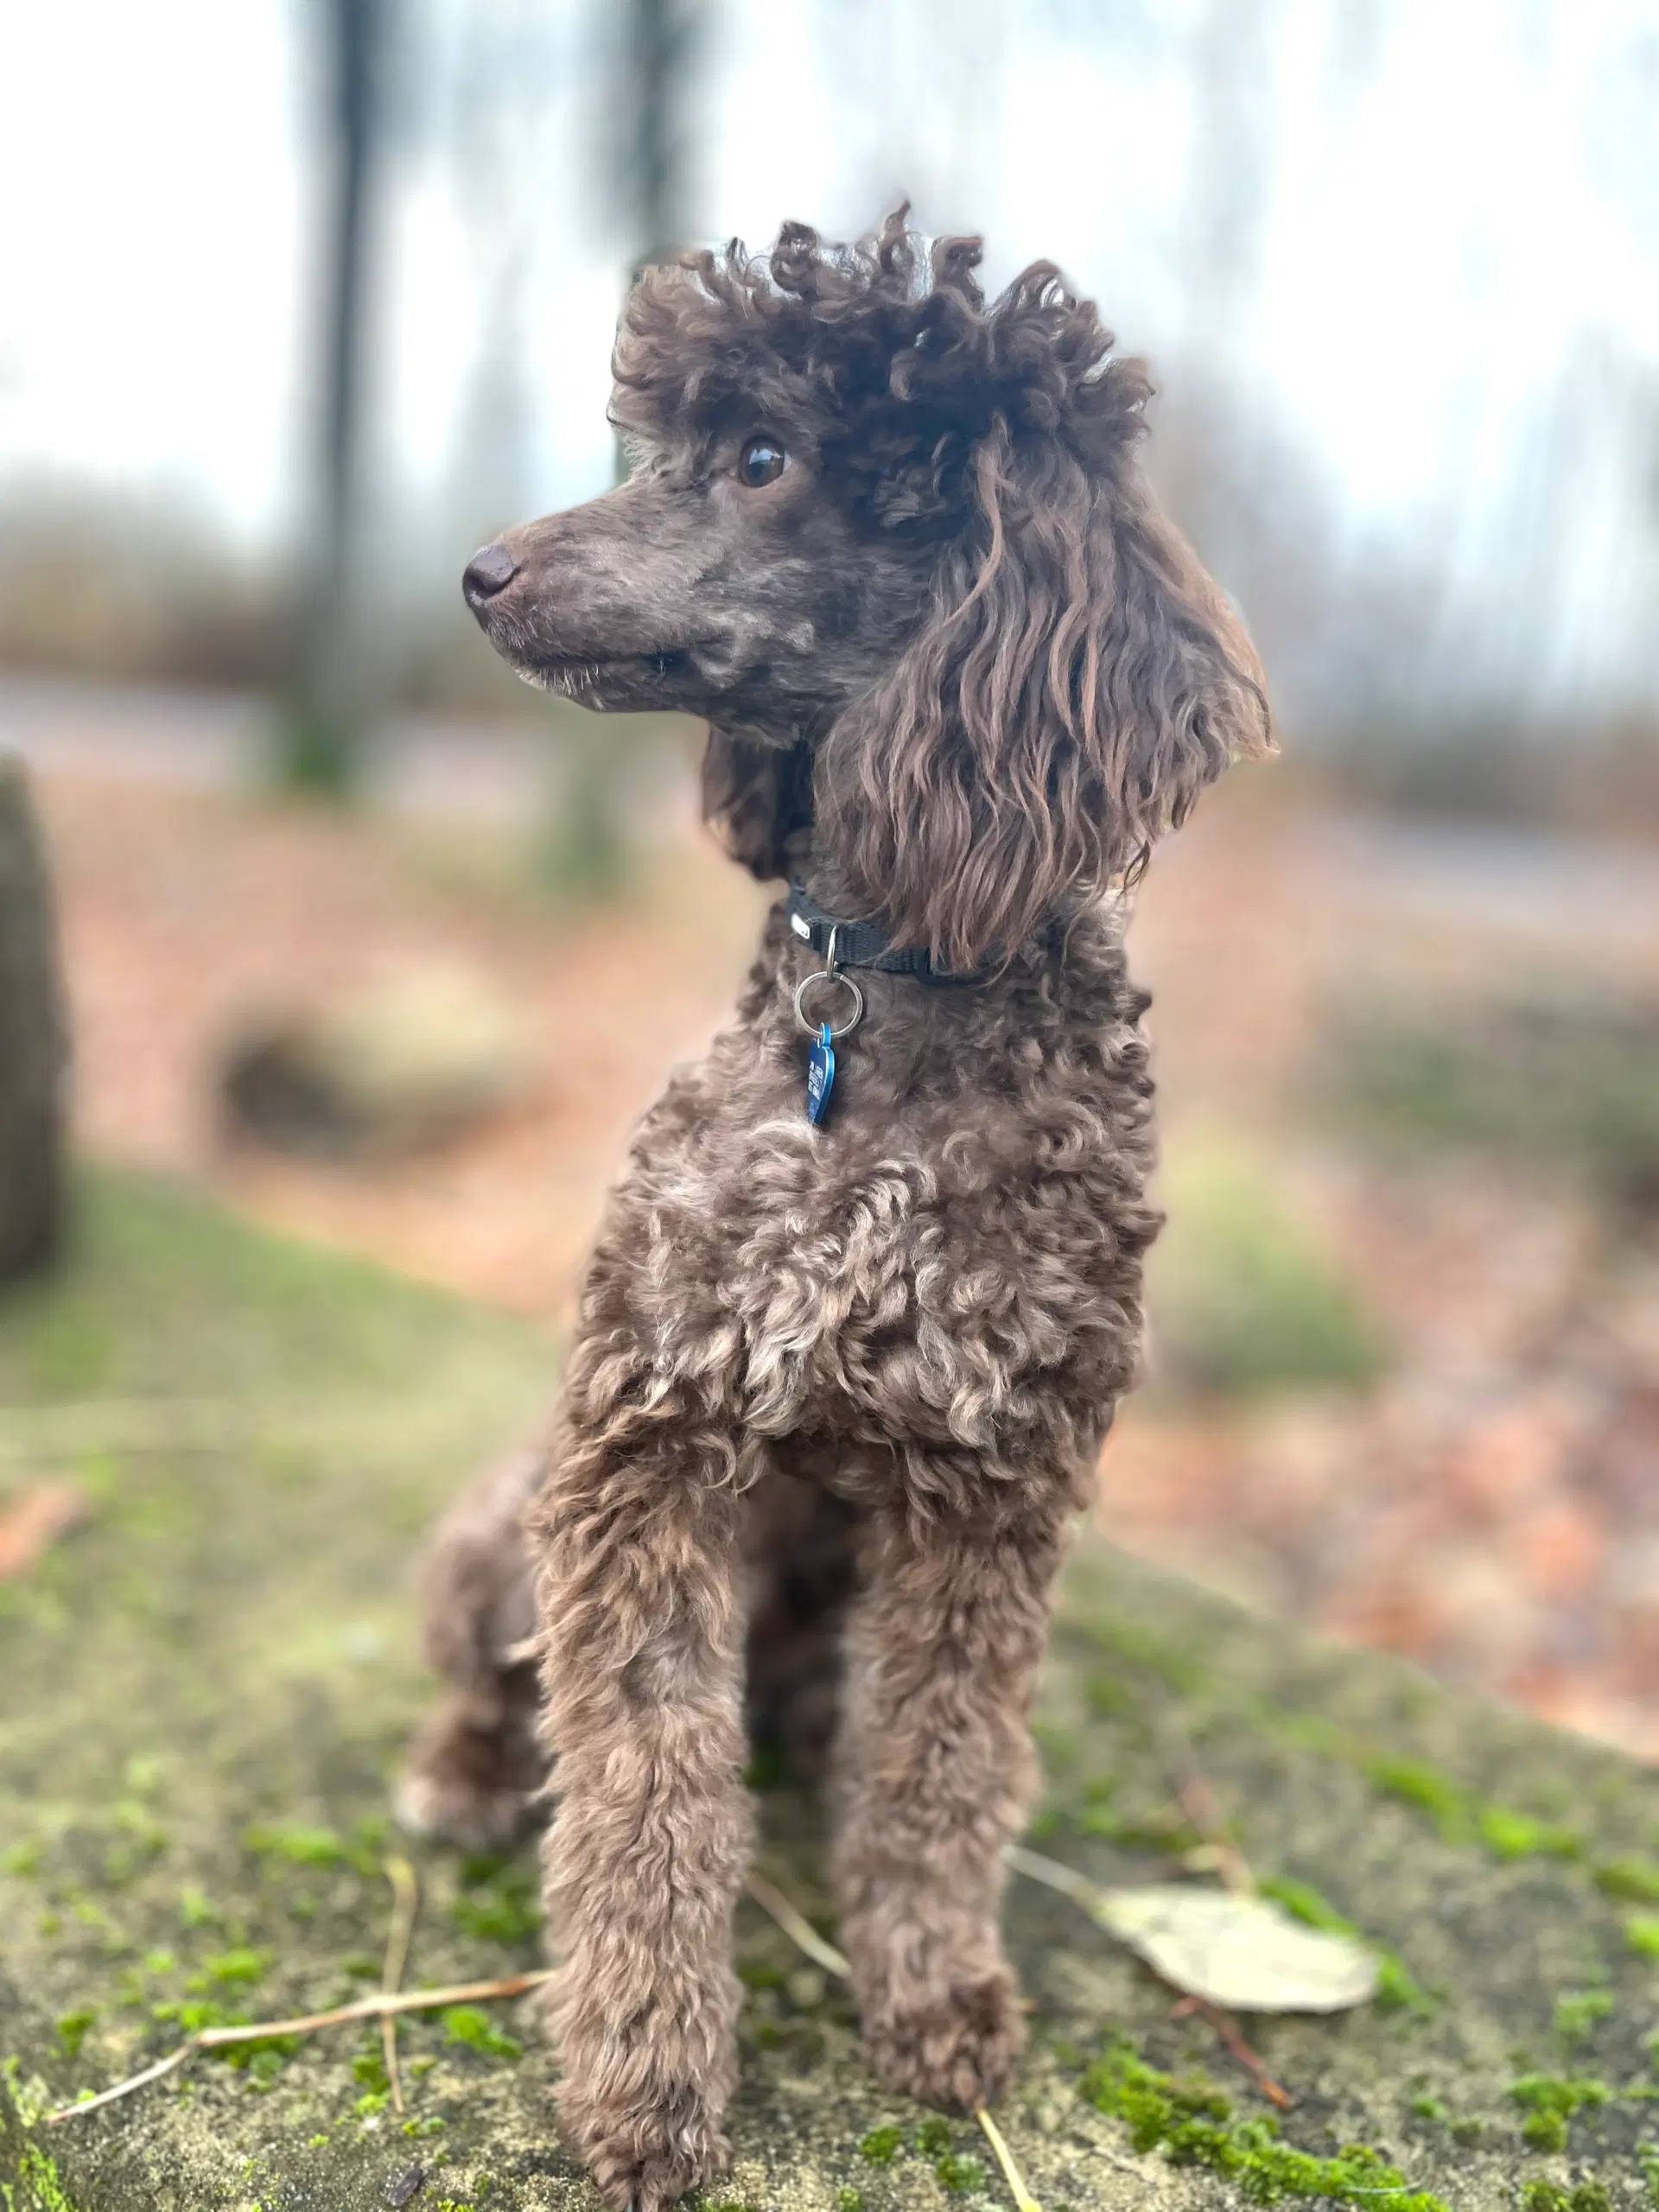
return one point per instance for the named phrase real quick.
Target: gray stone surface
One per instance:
(206, 1689)
(33, 1046)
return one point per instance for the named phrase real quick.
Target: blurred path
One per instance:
(484, 772)
(1483, 874)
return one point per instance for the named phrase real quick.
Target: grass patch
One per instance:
(1569, 1079)
(1245, 1296)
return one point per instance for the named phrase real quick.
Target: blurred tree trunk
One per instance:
(320, 731)
(588, 850)
(33, 1040)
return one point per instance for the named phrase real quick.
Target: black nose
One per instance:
(491, 569)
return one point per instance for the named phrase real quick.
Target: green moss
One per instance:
(1135, 1645)
(881, 2146)
(1508, 1834)
(1632, 1878)
(296, 1844)
(933, 2136)
(23, 1858)
(1458, 1815)
(848, 2200)
(1578, 2011)
(1191, 2122)
(958, 2170)
(768, 1766)
(369, 2067)
(72, 2028)
(502, 1903)
(194, 2013)
(1642, 1934)
(1414, 1782)
(471, 2026)
(1427, 2108)
(1549, 2102)
(757, 1974)
(1553, 2093)
(40, 2185)
(1647, 2156)
(236, 1970)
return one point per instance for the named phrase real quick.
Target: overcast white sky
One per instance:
(1428, 219)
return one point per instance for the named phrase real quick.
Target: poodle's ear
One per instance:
(1080, 680)
(754, 795)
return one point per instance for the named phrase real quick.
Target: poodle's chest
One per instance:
(937, 1287)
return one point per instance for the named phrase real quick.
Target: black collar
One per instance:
(864, 944)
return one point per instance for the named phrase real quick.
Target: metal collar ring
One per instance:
(839, 978)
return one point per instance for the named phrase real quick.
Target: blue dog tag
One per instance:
(820, 1073)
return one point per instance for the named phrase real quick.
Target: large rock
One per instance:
(386, 1069)
(205, 1690)
(34, 1049)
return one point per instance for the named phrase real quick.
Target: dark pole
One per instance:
(319, 740)
(587, 854)
(34, 1039)
(660, 35)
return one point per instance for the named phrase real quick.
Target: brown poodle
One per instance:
(840, 1377)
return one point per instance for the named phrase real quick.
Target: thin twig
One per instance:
(800, 1931)
(125, 2088)
(1233, 2036)
(1196, 1799)
(1023, 2199)
(405, 1902)
(1056, 1874)
(365, 2008)
(370, 2008)
(796, 1926)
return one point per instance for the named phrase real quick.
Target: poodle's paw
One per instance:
(462, 1785)
(957, 2051)
(434, 1805)
(643, 2161)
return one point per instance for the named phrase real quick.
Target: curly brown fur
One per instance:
(958, 673)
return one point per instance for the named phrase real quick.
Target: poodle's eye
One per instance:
(761, 461)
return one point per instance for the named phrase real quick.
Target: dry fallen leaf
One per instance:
(1240, 1952)
(35, 1519)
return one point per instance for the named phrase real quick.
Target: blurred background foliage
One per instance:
(1397, 273)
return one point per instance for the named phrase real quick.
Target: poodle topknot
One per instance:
(838, 1385)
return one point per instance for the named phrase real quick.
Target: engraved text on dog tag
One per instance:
(820, 1073)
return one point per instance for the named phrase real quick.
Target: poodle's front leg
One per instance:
(640, 1595)
(936, 1773)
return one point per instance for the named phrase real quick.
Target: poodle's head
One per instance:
(888, 535)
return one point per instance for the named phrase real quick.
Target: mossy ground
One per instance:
(206, 1691)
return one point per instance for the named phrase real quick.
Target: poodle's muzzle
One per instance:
(607, 603)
